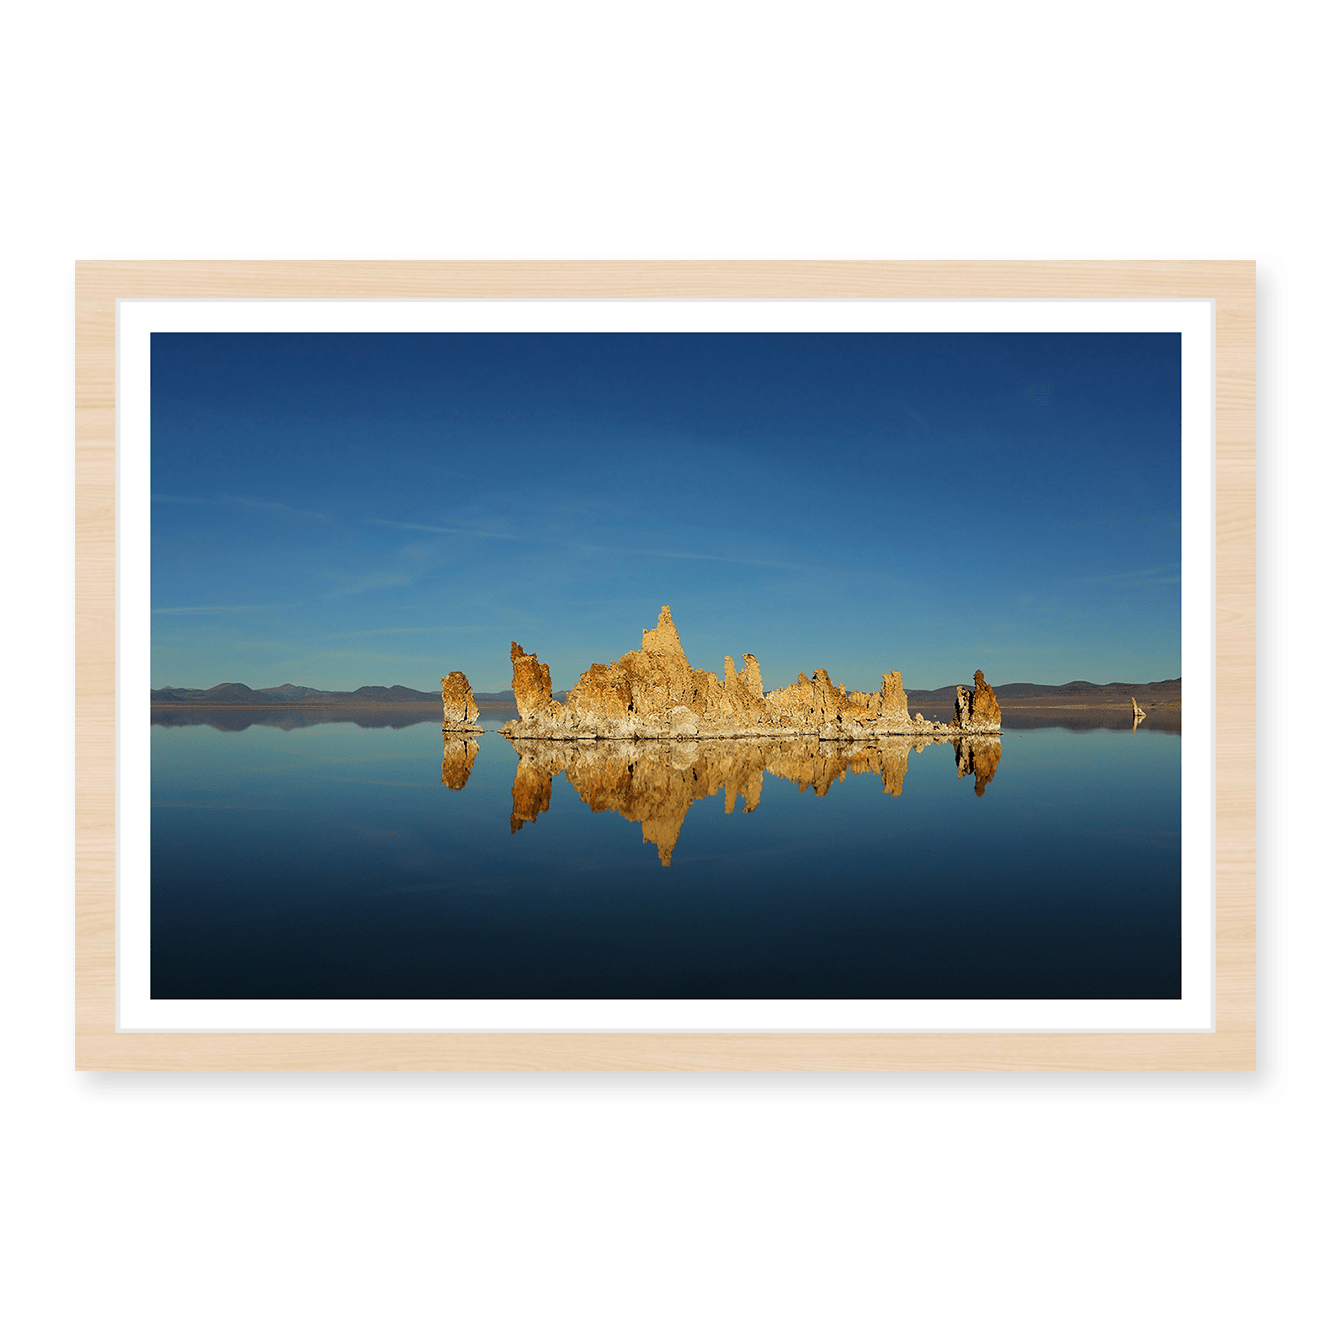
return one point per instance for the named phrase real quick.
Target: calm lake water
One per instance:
(335, 860)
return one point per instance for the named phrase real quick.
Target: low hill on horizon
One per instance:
(1078, 690)
(300, 695)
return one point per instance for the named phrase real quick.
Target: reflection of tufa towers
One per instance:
(655, 783)
(1137, 714)
(459, 756)
(978, 756)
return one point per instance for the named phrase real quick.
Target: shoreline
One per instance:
(541, 727)
(1170, 707)
(921, 739)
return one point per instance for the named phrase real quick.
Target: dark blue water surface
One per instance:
(332, 861)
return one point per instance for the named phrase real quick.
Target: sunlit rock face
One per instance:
(604, 694)
(741, 700)
(654, 782)
(978, 711)
(531, 689)
(460, 711)
(816, 704)
(978, 756)
(459, 756)
(984, 710)
(656, 693)
(808, 704)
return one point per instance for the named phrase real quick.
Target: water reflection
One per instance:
(978, 757)
(459, 756)
(656, 782)
(235, 719)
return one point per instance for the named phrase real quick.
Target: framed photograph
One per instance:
(735, 665)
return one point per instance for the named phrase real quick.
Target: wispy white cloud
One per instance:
(449, 530)
(268, 506)
(382, 657)
(254, 806)
(1166, 574)
(583, 548)
(358, 585)
(213, 609)
(688, 554)
(411, 628)
(278, 509)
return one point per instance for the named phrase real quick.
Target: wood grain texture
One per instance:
(1232, 285)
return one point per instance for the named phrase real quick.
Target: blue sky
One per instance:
(344, 509)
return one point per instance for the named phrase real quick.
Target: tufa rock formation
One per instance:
(460, 711)
(531, 688)
(656, 693)
(978, 711)
(809, 705)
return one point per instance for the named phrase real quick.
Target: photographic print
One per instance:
(411, 740)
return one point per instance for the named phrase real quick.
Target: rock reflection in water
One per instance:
(655, 782)
(459, 756)
(978, 757)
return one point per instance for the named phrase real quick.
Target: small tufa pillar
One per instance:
(977, 710)
(531, 686)
(460, 711)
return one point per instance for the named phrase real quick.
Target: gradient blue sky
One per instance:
(341, 509)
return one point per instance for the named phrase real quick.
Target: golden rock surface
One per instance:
(531, 688)
(460, 711)
(656, 693)
(978, 710)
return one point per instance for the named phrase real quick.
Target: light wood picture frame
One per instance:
(1229, 284)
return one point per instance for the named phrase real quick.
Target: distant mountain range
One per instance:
(290, 694)
(1165, 690)
(375, 695)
